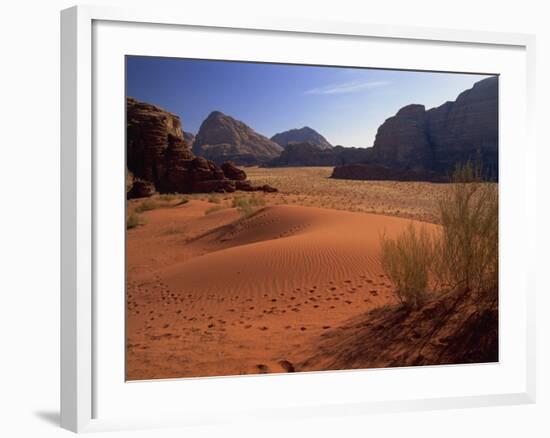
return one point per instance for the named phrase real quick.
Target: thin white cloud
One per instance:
(347, 87)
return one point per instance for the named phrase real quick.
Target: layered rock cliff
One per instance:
(434, 141)
(305, 134)
(221, 138)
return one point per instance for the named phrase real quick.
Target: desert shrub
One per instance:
(213, 199)
(467, 253)
(134, 220)
(147, 205)
(407, 261)
(247, 206)
(464, 255)
(214, 209)
(168, 197)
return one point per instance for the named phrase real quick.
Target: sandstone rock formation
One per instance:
(140, 189)
(305, 134)
(160, 159)
(434, 141)
(189, 139)
(222, 138)
(233, 172)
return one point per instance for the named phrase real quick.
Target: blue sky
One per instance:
(346, 105)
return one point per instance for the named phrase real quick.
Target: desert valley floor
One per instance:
(213, 292)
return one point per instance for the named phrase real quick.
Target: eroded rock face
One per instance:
(305, 134)
(233, 172)
(433, 142)
(155, 143)
(223, 138)
(467, 128)
(159, 157)
(141, 189)
(402, 140)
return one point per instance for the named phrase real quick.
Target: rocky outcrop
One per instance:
(141, 189)
(305, 134)
(402, 141)
(433, 142)
(159, 157)
(154, 142)
(246, 186)
(223, 138)
(231, 171)
(466, 128)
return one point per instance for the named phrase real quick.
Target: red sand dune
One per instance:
(218, 295)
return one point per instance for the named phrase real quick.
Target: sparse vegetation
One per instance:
(247, 206)
(147, 205)
(134, 220)
(214, 199)
(408, 261)
(312, 187)
(468, 248)
(168, 197)
(463, 256)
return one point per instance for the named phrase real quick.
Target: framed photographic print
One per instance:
(272, 218)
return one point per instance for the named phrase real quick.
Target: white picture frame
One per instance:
(80, 311)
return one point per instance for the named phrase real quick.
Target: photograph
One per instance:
(287, 218)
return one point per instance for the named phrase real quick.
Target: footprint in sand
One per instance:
(287, 366)
(262, 368)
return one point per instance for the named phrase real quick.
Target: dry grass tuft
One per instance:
(133, 221)
(408, 261)
(247, 206)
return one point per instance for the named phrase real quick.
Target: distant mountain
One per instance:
(304, 154)
(309, 154)
(305, 134)
(432, 142)
(221, 138)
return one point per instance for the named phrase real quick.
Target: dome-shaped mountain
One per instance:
(305, 134)
(221, 138)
